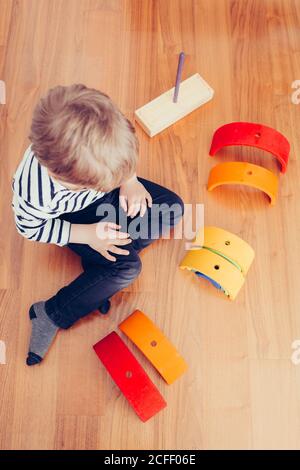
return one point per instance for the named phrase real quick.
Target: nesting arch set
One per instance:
(127, 372)
(219, 256)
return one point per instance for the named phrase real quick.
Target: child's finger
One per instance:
(116, 234)
(118, 251)
(103, 229)
(122, 242)
(123, 203)
(149, 199)
(143, 208)
(130, 208)
(108, 256)
(113, 225)
(136, 209)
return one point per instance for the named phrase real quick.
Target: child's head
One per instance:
(83, 139)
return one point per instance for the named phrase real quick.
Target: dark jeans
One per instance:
(102, 278)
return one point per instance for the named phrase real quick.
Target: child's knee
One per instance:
(180, 204)
(130, 270)
(176, 208)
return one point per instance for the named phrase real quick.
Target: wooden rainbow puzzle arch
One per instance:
(252, 135)
(246, 174)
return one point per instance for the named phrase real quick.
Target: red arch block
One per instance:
(252, 135)
(129, 376)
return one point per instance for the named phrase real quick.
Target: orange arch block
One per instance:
(154, 345)
(246, 174)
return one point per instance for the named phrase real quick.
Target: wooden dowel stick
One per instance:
(178, 76)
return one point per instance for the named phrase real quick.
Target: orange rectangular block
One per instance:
(154, 345)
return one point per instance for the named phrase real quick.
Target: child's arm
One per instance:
(103, 237)
(51, 230)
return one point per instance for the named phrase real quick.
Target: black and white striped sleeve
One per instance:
(39, 202)
(35, 218)
(41, 226)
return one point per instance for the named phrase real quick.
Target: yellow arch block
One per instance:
(215, 267)
(227, 245)
(246, 174)
(154, 345)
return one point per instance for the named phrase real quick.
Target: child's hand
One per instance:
(103, 237)
(134, 197)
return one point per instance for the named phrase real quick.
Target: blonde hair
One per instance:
(82, 138)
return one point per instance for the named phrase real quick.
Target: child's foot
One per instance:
(42, 333)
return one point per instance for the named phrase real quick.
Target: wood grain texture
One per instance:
(241, 390)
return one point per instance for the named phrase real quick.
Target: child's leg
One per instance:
(44, 326)
(100, 280)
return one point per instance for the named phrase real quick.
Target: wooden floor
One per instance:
(242, 390)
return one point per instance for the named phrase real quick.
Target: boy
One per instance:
(81, 161)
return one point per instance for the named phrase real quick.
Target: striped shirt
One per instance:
(39, 200)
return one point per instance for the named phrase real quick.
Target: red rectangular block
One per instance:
(129, 376)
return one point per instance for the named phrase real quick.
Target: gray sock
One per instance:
(42, 333)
